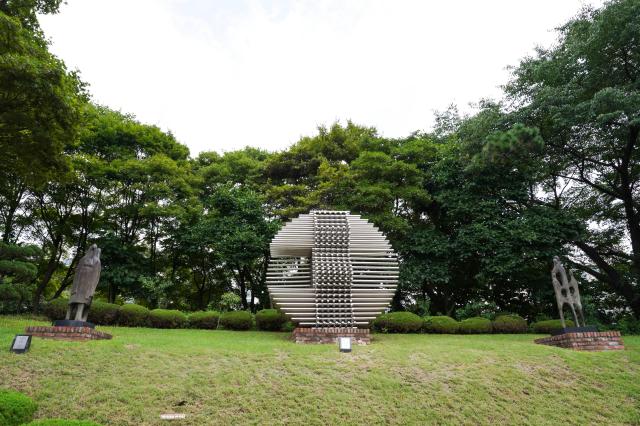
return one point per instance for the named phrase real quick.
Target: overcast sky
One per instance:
(229, 73)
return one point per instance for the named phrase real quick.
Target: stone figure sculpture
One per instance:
(331, 269)
(566, 289)
(84, 286)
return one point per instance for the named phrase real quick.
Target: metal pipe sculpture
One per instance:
(566, 290)
(331, 269)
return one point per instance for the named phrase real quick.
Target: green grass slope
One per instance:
(227, 377)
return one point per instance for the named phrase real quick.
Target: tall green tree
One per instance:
(40, 105)
(584, 96)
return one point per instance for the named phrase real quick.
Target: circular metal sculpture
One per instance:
(331, 269)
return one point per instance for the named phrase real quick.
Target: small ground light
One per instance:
(345, 344)
(21, 343)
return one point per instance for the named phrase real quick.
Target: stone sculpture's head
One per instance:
(92, 256)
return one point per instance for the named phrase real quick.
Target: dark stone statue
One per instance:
(85, 282)
(566, 288)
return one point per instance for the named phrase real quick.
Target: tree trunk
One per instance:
(13, 207)
(612, 277)
(243, 289)
(52, 265)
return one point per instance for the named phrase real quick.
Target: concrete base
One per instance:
(585, 341)
(66, 333)
(358, 336)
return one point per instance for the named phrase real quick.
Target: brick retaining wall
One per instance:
(66, 333)
(585, 341)
(359, 336)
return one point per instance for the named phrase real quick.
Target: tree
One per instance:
(18, 268)
(584, 96)
(40, 104)
(26, 10)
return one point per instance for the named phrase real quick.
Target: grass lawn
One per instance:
(225, 377)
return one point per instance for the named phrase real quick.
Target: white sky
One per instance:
(225, 74)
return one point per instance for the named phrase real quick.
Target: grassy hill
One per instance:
(225, 377)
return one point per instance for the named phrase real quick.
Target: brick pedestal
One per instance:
(589, 341)
(358, 336)
(66, 333)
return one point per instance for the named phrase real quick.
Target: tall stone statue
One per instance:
(85, 282)
(566, 292)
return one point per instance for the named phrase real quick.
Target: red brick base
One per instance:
(66, 333)
(585, 341)
(358, 336)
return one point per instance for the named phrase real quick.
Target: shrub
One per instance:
(229, 301)
(398, 322)
(103, 313)
(288, 326)
(547, 326)
(167, 318)
(510, 324)
(56, 309)
(204, 319)
(61, 422)
(236, 320)
(628, 325)
(15, 408)
(270, 320)
(132, 315)
(440, 324)
(477, 308)
(475, 325)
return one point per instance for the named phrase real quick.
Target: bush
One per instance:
(270, 320)
(103, 313)
(56, 309)
(15, 408)
(398, 322)
(167, 318)
(61, 422)
(546, 327)
(288, 326)
(440, 324)
(132, 315)
(475, 325)
(229, 301)
(510, 324)
(236, 320)
(628, 325)
(204, 319)
(477, 308)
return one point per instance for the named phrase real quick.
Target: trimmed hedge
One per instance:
(510, 324)
(270, 320)
(133, 315)
(204, 319)
(236, 320)
(15, 408)
(398, 322)
(475, 325)
(56, 309)
(62, 422)
(547, 326)
(103, 313)
(440, 324)
(288, 326)
(167, 318)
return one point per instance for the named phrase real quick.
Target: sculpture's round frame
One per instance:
(331, 269)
